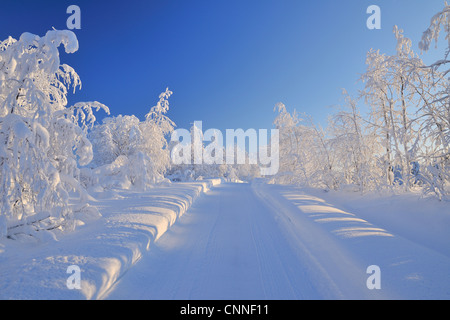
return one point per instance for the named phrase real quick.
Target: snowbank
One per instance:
(345, 232)
(103, 249)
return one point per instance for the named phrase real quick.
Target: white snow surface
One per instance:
(104, 249)
(240, 241)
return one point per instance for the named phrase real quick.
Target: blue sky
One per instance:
(227, 62)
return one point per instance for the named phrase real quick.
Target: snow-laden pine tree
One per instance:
(42, 141)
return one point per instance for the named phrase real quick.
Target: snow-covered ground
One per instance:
(103, 249)
(344, 233)
(262, 241)
(241, 241)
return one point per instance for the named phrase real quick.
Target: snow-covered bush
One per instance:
(42, 141)
(133, 153)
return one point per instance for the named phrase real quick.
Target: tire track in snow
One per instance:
(227, 246)
(332, 270)
(237, 243)
(282, 272)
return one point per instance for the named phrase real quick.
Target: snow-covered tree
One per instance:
(435, 110)
(42, 141)
(403, 141)
(304, 151)
(130, 152)
(395, 88)
(356, 150)
(440, 21)
(288, 145)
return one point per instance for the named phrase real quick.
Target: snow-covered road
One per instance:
(228, 246)
(243, 241)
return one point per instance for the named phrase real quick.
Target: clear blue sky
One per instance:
(228, 62)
